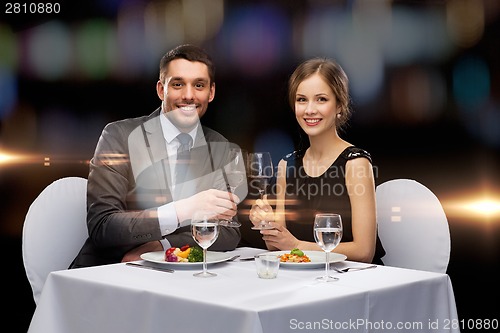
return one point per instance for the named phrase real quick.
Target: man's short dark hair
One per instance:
(190, 53)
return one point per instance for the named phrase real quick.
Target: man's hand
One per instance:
(220, 202)
(135, 253)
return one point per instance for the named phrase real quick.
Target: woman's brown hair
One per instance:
(333, 75)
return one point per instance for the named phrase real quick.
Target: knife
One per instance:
(161, 269)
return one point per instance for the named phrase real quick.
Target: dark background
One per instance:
(424, 82)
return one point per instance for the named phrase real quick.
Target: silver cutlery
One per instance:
(349, 269)
(247, 258)
(161, 269)
(240, 258)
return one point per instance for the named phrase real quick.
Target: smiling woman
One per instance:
(318, 94)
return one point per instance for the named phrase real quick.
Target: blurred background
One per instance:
(424, 79)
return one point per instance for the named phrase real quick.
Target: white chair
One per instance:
(54, 230)
(412, 226)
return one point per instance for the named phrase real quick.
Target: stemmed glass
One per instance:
(260, 169)
(327, 233)
(235, 176)
(205, 230)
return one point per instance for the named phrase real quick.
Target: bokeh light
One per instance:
(418, 95)
(168, 23)
(8, 91)
(255, 39)
(8, 48)
(49, 51)
(471, 83)
(96, 48)
(472, 91)
(130, 29)
(416, 35)
(465, 20)
(332, 33)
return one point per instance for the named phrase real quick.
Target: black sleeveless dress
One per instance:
(306, 196)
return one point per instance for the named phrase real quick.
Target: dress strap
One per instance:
(297, 154)
(353, 152)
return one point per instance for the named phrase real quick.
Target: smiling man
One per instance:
(136, 200)
(185, 87)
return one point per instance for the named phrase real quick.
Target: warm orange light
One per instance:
(6, 158)
(484, 207)
(479, 203)
(15, 158)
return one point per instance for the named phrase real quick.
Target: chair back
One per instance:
(412, 226)
(54, 230)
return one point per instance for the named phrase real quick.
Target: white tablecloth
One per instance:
(120, 298)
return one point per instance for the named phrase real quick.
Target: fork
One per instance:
(345, 270)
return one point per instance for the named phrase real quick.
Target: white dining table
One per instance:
(121, 298)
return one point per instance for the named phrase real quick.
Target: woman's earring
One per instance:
(339, 115)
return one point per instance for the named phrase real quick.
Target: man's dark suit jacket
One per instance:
(130, 177)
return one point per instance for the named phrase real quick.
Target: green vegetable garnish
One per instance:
(196, 254)
(297, 252)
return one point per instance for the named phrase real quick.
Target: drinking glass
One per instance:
(205, 230)
(235, 176)
(261, 170)
(327, 233)
(267, 265)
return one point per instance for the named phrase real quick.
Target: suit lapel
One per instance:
(158, 152)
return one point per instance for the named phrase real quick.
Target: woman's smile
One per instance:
(312, 121)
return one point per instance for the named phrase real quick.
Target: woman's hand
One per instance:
(261, 211)
(279, 238)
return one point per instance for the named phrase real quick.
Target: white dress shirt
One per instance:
(167, 215)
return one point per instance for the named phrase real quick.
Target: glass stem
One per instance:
(262, 223)
(327, 264)
(204, 261)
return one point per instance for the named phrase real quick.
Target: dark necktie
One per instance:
(183, 157)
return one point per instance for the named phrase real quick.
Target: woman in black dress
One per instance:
(331, 175)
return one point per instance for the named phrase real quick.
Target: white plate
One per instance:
(318, 259)
(159, 258)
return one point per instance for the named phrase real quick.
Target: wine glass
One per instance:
(327, 233)
(205, 230)
(235, 176)
(260, 169)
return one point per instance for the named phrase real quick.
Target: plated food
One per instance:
(158, 257)
(184, 254)
(317, 259)
(295, 255)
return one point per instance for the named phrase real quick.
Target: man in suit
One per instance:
(136, 201)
